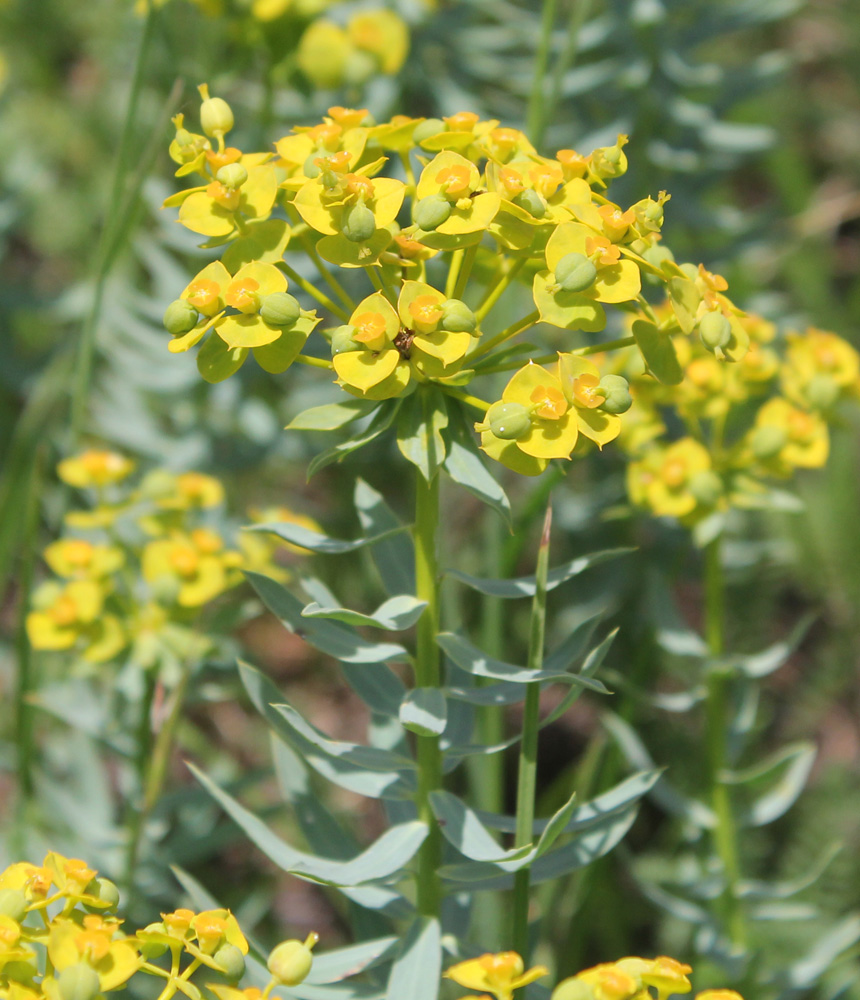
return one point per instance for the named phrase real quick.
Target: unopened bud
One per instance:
(79, 982)
(575, 272)
(457, 317)
(715, 330)
(232, 176)
(216, 116)
(231, 961)
(532, 202)
(280, 309)
(656, 255)
(13, 903)
(179, 317)
(618, 398)
(508, 421)
(342, 340)
(359, 223)
(152, 949)
(432, 211)
(105, 891)
(429, 127)
(291, 961)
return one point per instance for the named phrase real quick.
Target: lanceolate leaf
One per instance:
(423, 417)
(761, 664)
(785, 772)
(381, 860)
(424, 711)
(418, 966)
(394, 615)
(392, 553)
(332, 416)
(524, 586)
(461, 827)
(464, 465)
(382, 420)
(306, 538)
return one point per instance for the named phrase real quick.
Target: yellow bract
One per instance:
(498, 974)
(94, 469)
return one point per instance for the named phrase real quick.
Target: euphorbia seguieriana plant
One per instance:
(427, 236)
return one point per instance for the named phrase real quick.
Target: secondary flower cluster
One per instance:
(136, 568)
(60, 939)
(627, 979)
(466, 209)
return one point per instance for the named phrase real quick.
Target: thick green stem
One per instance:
(427, 674)
(527, 776)
(717, 716)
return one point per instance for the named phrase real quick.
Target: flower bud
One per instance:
(508, 421)
(152, 949)
(706, 487)
(342, 340)
(610, 161)
(618, 398)
(657, 254)
(573, 989)
(532, 202)
(429, 127)
(105, 891)
(291, 961)
(280, 309)
(715, 330)
(79, 982)
(457, 317)
(179, 317)
(359, 223)
(232, 176)
(216, 117)
(13, 903)
(575, 272)
(432, 211)
(822, 391)
(231, 961)
(690, 270)
(768, 441)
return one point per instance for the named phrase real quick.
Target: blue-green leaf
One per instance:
(418, 966)
(332, 416)
(423, 417)
(464, 465)
(424, 711)
(382, 420)
(803, 974)
(461, 827)
(341, 963)
(758, 889)
(392, 553)
(657, 348)
(307, 538)
(394, 615)
(790, 766)
(381, 860)
(333, 638)
(757, 665)
(524, 586)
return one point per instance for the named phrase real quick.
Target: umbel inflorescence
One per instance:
(443, 216)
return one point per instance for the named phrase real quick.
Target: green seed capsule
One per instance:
(105, 891)
(508, 421)
(432, 211)
(311, 169)
(216, 116)
(291, 961)
(153, 949)
(618, 398)
(575, 272)
(428, 128)
(280, 309)
(342, 340)
(179, 317)
(232, 176)
(13, 903)
(532, 202)
(656, 255)
(691, 271)
(457, 317)
(715, 330)
(231, 961)
(79, 982)
(359, 223)
(706, 487)
(768, 441)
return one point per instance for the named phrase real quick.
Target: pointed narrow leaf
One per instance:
(424, 711)
(393, 553)
(394, 615)
(333, 415)
(556, 826)
(383, 418)
(760, 890)
(761, 664)
(461, 827)
(306, 538)
(524, 586)
(805, 973)
(416, 970)
(423, 417)
(790, 766)
(464, 465)
(341, 963)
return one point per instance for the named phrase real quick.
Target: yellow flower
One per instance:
(384, 35)
(340, 132)
(675, 481)
(93, 942)
(72, 615)
(786, 437)
(188, 568)
(451, 198)
(79, 558)
(368, 353)
(216, 927)
(498, 974)
(351, 205)
(531, 424)
(667, 976)
(94, 469)
(820, 368)
(609, 982)
(581, 382)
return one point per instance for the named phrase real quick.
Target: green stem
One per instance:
(527, 775)
(313, 291)
(506, 334)
(579, 11)
(717, 717)
(104, 256)
(535, 116)
(545, 359)
(427, 674)
(306, 359)
(465, 397)
(499, 287)
(454, 266)
(465, 270)
(380, 286)
(143, 745)
(332, 282)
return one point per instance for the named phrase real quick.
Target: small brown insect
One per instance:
(403, 342)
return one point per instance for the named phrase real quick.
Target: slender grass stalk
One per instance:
(135, 818)
(107, 244)
(536, 113)
(717, 722)
(527, 776)
(427, 674)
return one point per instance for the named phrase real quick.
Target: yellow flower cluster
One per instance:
(140, 565)
(60, 939)
(441, 216)
(627, 979)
